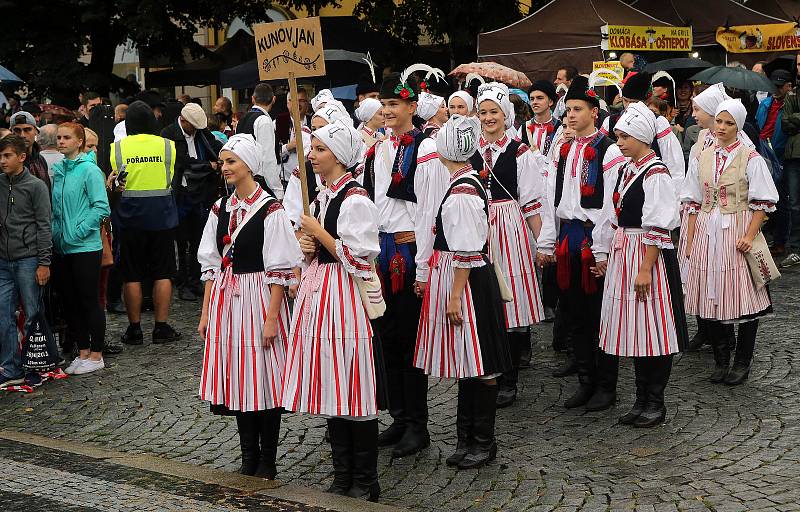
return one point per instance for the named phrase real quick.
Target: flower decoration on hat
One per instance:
(404, 91)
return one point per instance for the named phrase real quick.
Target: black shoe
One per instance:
(581, 396)
(341, 456)
(696, 342)
(269, 432)
(165, 335)
(631, 416)
(722, 353)
(737, 375)
(392, 434)
(601, 400)
(186, 293)
(112, 348)
(570, 367)
(414, 440)
(652, 416)
(247, 425)
(506, 397)
(640, 372)
(115, 307)
(133, 336)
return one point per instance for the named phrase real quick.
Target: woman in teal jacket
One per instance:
(79, 205)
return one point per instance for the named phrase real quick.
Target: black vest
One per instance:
(595, 200)
(504, 171)
(548, 139)
(405, 189)
(439, 240)
(311, 180)
(246, 123)
(248, 249)
(632, 203)
(612, 123)
(331, 220)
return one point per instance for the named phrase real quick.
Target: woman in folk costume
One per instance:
(642, 314)
(432, 109)
(333, 367)
(704, 107)
(516, 191)
(461, 103)
(730, 191)
(370, 114)
(330, 112)
(247, 254)
(461, 329)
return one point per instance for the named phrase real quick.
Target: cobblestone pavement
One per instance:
(723, 449)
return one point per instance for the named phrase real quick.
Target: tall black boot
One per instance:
(269, 432)
(525, 353)
(586, 376)
(247, 424)
(484, 447)
(640, 368)
(655, 412)
(341, 455)
(364, 436)
(397, 409)
(701, 337)
(463, 421)
(745, 347)
(507, 382)
(416, 436)
(607, 373)
(561, 330)
(730, 335)
(722, 352)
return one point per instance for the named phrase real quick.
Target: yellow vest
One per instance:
(730, 193)
(149, 161)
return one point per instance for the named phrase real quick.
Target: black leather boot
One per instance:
(640, 367)
(570, 367)
(341, 455)
(701, 337)
(507, 382)
(416, 437)
(463, 421)
(395, 431)
(248, 426)
(483, 448)
(525, 353)
(745, 347)
(269, 432)
(605, 395)
(654, 411)
(364, 436)
(722, 353)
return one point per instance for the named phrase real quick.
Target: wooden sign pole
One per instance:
(298, 140)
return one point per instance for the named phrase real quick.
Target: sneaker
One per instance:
(33, 380)
(791, 260)
(69, 370)
(133, 336)
(165, 335)
(89, 366)
(9, 381)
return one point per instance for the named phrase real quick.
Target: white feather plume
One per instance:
(412, 69)
(595, 78)
(437, 73)
(473, 76)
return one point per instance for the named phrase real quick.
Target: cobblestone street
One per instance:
(723, 449)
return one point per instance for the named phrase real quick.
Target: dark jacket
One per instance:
(37, 165)
(25, 216)
(790, 124)
(201, 179)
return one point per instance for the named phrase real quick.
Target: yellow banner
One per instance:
(643, 39)
(612, 71)
(775, 37)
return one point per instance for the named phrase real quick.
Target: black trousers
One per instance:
(77, 277)
(187, 238)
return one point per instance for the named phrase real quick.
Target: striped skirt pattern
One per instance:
(512, 240)
(681, 247)
(719, 286)
(238, 372)
(330, 367)
(630, 327)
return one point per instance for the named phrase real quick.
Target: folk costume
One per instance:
(334, 366)
(516, 192)
(645, 211)
(723, 187)
(578, 230)
(477, 350)
(366, 110)
(427, 108)
(405, 179)
(666, 144)
(247, 246)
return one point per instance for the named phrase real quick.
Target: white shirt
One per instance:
(119, 131)
(264, 133)
(289, 158)
(51, 156)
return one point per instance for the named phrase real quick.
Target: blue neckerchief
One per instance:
(594, 164)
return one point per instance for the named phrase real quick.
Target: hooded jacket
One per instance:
(79, 204)
(24, 218)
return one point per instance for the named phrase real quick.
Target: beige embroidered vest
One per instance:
(730, 192)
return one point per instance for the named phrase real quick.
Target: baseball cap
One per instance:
(780, 76)
(23, 117)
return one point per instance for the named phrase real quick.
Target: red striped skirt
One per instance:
(238, 372)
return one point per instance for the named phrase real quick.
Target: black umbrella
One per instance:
(671, 64)
(787, 62)
(736, 78)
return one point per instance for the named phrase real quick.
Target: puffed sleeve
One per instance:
(671, 151)
(431, 181)
(762, 193)
(660, 213)
(530, 184)
(465, 226)
(208, 255)
(293, 199)
(603, 231)
(357, 227)
(549, 233)
(691, 192)
(281, 249)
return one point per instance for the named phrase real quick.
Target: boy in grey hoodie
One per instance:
(25, 247)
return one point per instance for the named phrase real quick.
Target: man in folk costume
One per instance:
(404, 177)
(666, 144)
(643, 314)
(540, 131)
(578, 230)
